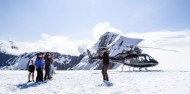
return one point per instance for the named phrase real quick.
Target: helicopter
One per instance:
(133, 57)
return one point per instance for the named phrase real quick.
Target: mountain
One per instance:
(115, 44)
(4, 57)
(113, 41)
(61, 62)
(9, 59)
(5, 47)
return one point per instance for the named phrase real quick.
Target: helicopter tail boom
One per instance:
(90, 59)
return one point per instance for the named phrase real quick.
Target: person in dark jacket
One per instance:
(39, 67)
(48, 61)
(105, 66)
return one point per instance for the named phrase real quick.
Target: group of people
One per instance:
(41, 63)
(45, 63)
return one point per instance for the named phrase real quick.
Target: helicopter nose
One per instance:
(155, 63)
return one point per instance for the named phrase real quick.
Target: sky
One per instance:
(71, 26)
(28, 20)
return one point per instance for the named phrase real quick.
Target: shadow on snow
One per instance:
(142, 71)
(32, 84)
(151, 71)
(106, 84)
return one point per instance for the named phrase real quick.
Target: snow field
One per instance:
(90, 82)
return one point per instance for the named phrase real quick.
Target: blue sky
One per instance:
(26, 20)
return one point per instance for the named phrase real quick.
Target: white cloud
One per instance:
(164, 38)
(44, 36)
(160, 34)
(60, 44)
(102, 28)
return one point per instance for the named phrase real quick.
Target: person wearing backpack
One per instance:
(31, 69)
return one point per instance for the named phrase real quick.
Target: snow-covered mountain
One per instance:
(115, 44)
(113, 41)
(61, 62)
(4, 57)
(11, 61)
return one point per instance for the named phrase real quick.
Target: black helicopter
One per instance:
(132, 58)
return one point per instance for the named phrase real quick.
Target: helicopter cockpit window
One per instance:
(141, 58)
(147, 58)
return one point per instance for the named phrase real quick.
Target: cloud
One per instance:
(48, 43)
(177, 39)
(102, 28)
(44, 36)
(62, 44)
(164, 34)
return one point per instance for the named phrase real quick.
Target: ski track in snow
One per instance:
(90, 82)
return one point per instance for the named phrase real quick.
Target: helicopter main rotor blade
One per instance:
(114, 46)
(143, 47)
(159, 49)
(103, 47)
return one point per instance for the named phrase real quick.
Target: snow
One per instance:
(90, 82)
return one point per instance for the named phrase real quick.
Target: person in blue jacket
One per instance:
(39, 67)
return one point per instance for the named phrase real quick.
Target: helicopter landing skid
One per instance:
(140, 68)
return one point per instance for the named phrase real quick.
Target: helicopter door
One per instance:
(131, 60)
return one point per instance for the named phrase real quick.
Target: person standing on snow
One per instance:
(48, 62)
(39, 67)
(52, 69)
(105, 58)
(31, 69)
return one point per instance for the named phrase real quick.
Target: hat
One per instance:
(40, 53)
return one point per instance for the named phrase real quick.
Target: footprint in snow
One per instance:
(106, 84)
